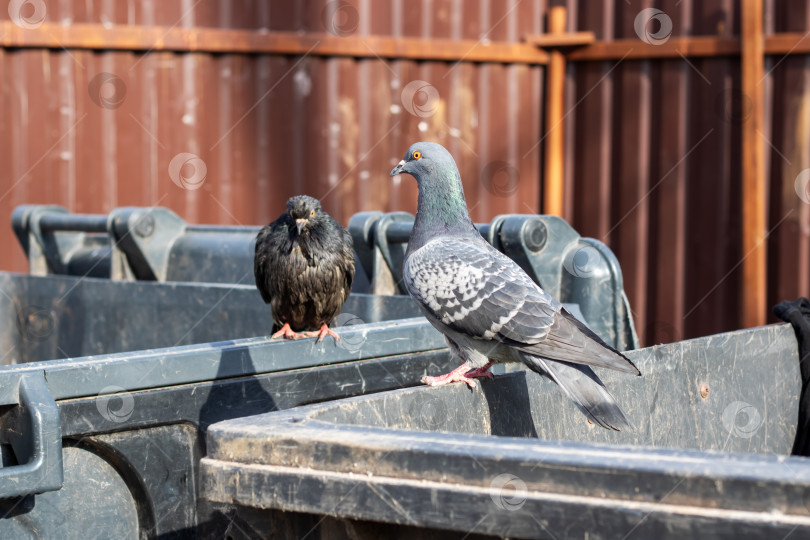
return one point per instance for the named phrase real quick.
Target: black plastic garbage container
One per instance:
(114, 376)
(101, 430)
(715, 419)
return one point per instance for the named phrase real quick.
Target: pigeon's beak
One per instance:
(299, 223)
(398, 169)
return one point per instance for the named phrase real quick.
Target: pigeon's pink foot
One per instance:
(460, 374)
(322, 333)
(287, 332)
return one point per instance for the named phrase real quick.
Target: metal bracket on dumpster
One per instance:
(141, 238)
(52, 237)
(128, 244)
(389, 243)
(132, 244)
(361, 227)
(32, 430)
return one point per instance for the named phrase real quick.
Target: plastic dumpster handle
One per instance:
(34, 431)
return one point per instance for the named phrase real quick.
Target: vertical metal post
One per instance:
(754, 208)
(555, 87)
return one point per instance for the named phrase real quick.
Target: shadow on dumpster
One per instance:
(229, 400)
(505, 418)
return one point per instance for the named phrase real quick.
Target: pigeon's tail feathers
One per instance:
(585, 389)
(569, 340)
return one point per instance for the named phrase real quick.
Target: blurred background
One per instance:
(222, 109)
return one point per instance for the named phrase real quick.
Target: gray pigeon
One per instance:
(487, 307)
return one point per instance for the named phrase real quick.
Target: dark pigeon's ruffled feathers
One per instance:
(305, 276)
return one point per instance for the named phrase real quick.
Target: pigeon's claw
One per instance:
(460, 374)
(322, 333)
(287, 332)
(448, 378)
(481, 372)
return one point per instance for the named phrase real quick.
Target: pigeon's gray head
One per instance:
(305, 210)
(442, 208)
(424, 160)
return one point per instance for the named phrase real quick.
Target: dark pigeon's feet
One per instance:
(322, 333)
(288, 333)
(460, 374)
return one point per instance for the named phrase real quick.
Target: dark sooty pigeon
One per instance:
(304, 267)
(487, 307)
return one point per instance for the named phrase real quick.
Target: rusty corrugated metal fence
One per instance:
(226, 134)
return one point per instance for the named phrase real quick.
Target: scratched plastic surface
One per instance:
(715, 419)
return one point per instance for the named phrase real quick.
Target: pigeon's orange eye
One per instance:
(311, 214)
(417, 154)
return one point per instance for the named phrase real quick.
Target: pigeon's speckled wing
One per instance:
(476, 290)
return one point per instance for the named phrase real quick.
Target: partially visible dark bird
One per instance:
(304, 267)
(487, 307)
